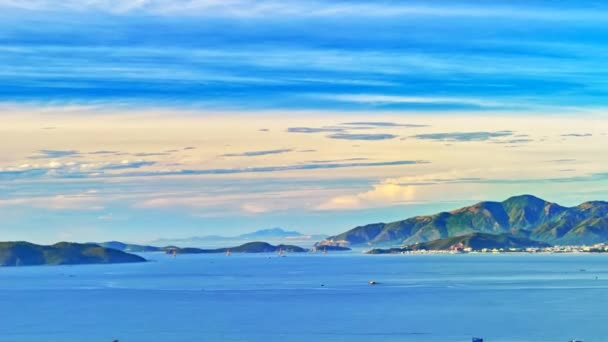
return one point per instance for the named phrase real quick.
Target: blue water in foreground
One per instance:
(434, 298)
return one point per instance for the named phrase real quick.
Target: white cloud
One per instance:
(380, 195)
(254, 208)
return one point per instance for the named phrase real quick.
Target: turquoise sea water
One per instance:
(434, 298)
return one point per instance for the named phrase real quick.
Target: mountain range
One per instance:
(271, 235)
(524, 216)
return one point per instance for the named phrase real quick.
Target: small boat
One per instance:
(227, 252)
(174, 253)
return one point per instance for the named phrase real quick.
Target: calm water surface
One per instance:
(432, 298)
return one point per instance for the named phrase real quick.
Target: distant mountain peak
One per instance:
(274, 232)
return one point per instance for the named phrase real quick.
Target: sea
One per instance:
(311, 297)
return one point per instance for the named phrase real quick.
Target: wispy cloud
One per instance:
(69, 170)
(26, 173)
(265, 169)
(257, 153)
(338, 160)
(464, 136)
(103, 152)
(49, 154)
(97, 170)
(393, 99)
(371, 136)
(513, 141)
(151, 154)
(126, 165)
(88, 200)
(314, 129)
(563, 161)
(381, 124)
(577, 135)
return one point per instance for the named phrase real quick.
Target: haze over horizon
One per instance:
(137, 120)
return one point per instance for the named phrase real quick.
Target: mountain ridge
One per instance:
(524, 215)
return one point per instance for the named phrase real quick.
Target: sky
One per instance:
(143, 119)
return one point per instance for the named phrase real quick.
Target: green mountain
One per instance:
(475, 241)
(251, 247)
(63, 253)
(524, 216)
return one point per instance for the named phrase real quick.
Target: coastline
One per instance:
(597, 249)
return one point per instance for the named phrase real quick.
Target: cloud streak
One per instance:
(127, 165)
(463, 136)
(314, 129)
(50, 154)
(577, 135)
(367, 137)
(382, 124)
(266, 169)
(258, 153)
(98, 170)
(379, 99)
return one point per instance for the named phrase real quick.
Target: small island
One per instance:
(330, 248)
(250, 247)
(23, 253)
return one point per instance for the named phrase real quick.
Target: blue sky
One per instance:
(125, 119)
(446, 55)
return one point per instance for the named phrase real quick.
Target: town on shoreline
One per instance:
(458, 249)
